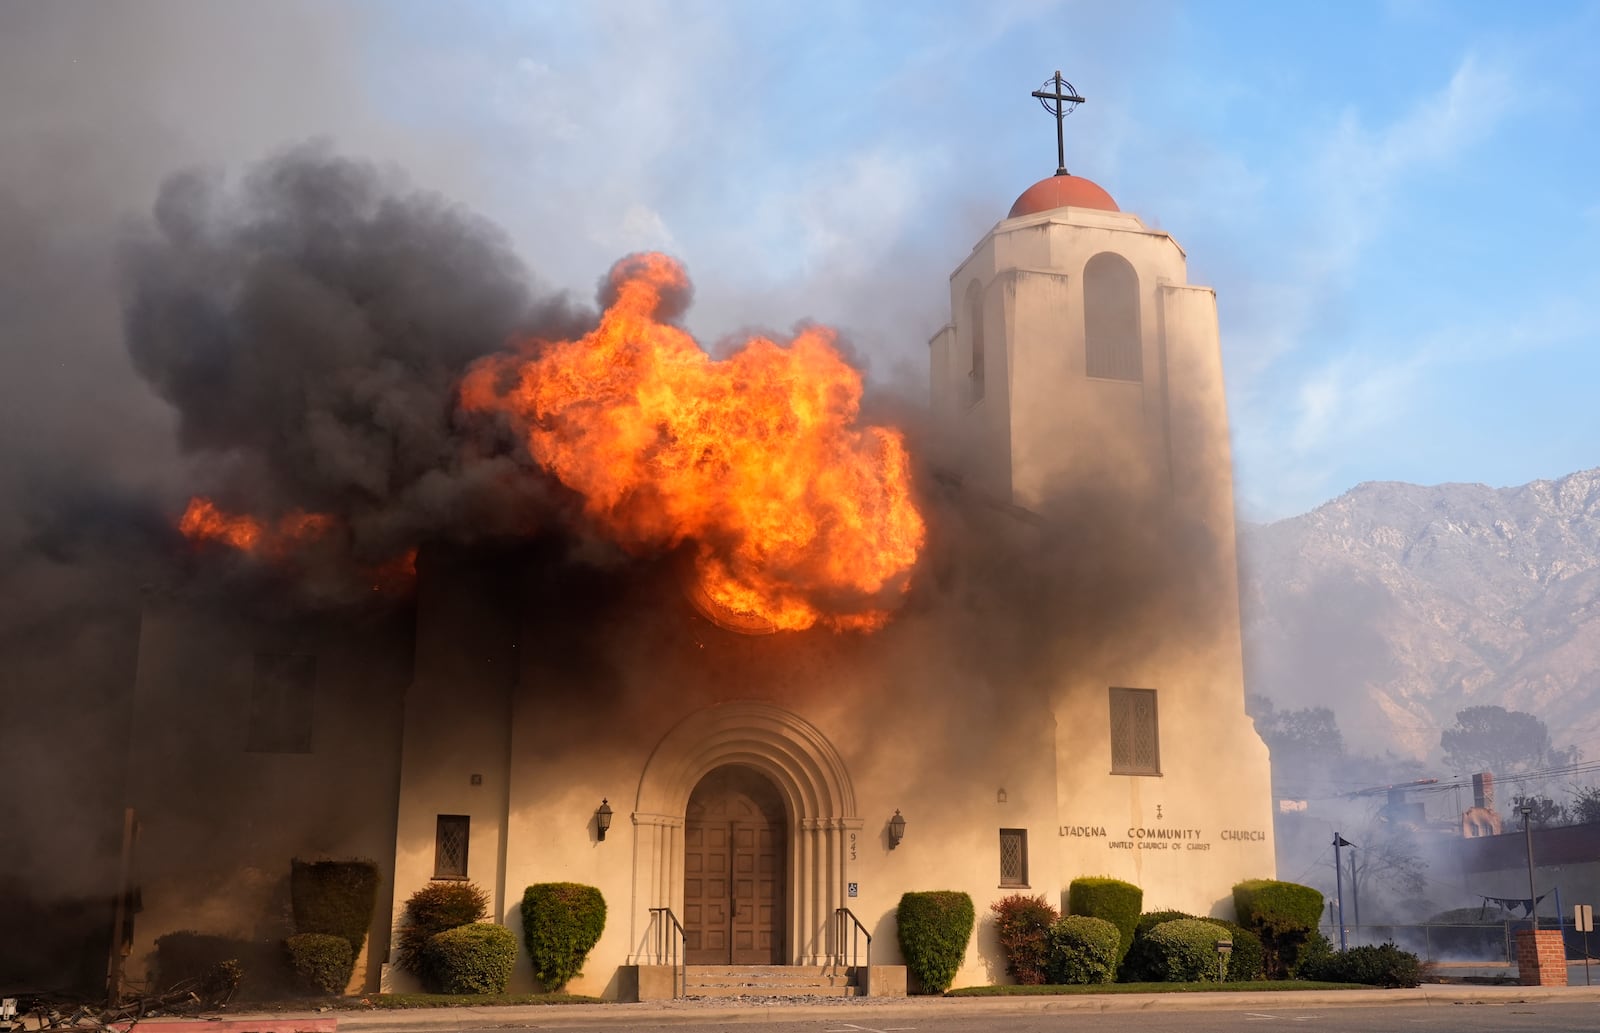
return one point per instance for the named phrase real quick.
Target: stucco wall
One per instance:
(220, 825)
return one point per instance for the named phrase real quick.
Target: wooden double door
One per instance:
(734, 884)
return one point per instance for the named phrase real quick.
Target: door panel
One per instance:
(734, 871)
(757, 894)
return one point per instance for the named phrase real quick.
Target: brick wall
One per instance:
(1541, 958)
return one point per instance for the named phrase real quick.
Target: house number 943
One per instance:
(852, 846)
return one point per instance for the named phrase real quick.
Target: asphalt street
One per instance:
(1545, 1017)
(1560, 1012)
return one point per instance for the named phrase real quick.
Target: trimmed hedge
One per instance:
(1024, 924)
(1283, 915)
(1247, 962)
(1184, 950)
(934, 927)
(1115, 901)
(433, 909)
(334, 897)
(1150, 919)
(472, 959)
(1083, 950)
(320, 962)
(1140, 964)
(1382, 965)
(1268, 900)
(561, 923)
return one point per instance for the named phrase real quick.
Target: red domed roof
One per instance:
(1062, 192)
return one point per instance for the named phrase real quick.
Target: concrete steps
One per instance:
(769, 981)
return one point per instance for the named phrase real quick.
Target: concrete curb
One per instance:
(719, 1012)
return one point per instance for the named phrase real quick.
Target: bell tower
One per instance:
(1080, 378)
(1077, 348)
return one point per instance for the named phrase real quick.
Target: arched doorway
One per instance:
(819, 803)
(735, 851)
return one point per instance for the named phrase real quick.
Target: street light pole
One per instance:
(1527, 834)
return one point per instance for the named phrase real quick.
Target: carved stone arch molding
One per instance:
(817, 793)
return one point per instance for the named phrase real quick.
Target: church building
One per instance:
(775, 793)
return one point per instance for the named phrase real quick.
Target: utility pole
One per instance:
(1527, 834)
(1338, 880)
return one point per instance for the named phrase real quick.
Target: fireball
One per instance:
(798, 515)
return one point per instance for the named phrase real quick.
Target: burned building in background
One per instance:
(1052, 690)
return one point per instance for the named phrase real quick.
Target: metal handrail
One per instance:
(856, 930)
(662, 941)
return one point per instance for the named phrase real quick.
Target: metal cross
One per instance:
(1060, 103)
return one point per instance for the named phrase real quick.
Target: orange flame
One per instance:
(397, 574)
(204, 521)
(799, 516)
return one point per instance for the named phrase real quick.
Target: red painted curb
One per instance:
(228, 1026)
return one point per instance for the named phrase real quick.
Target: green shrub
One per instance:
(1259, 900)
(1382, 965)
(935, 926)
(1083, 950)
(471, 959)
(1185, 951)
(188, 956)
(1316, 949)
(334, 897)
(1142, 964)
(1150, 919)
(1282, 914)
(1115, 901)
(434, 908)
(1024, 926)
(218, 968)
(561, 922)
(320, 962)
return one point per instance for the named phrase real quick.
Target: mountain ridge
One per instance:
(1398, 604)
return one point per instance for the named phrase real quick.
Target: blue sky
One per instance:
(1397, 202)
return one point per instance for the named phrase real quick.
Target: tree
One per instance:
(1545, 812)
(1585, 806)
(1491, 738)
(1306, 745)
(1389, 875)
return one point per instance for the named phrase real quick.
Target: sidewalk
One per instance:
(722, 1011)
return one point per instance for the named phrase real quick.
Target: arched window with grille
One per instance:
(1112, 346)
(975, 324)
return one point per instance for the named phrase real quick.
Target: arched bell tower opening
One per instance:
(735, 866)
(746, 758)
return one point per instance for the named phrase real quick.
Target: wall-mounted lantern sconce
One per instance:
(897, 829)
(602, 819)
(1000, 797)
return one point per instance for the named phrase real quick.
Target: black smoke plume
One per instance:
(309, 326)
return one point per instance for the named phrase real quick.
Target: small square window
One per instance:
(1014, 857)
(1135, 735)
(450, 846)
